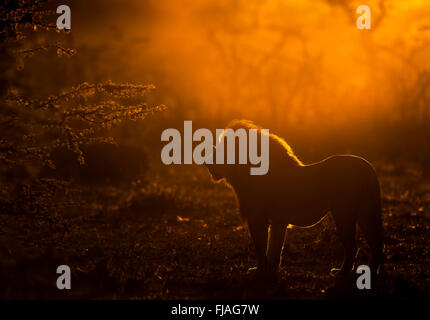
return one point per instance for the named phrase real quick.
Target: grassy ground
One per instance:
(181, 237)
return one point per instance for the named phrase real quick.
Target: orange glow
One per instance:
(286, 64)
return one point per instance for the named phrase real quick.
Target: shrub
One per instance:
(74, 123)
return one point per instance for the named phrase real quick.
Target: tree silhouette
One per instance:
(30, 129)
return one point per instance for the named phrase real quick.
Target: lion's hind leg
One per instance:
(371, 225)
(346, 228)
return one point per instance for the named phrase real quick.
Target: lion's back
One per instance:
(350, 178)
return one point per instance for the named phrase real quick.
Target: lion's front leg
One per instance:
(258, 229)
(276, 242)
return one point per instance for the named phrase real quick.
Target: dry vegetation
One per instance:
(181, 237)
(80, 178)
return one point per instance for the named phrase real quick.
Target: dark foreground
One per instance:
(180, 237)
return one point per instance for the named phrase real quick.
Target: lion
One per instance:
(302, 195)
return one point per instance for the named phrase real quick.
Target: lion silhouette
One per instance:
(293, 193)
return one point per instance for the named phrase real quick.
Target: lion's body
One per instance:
(301, 195)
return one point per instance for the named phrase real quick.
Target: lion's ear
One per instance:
(214, 172)
(212, 156)
(215, 169)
